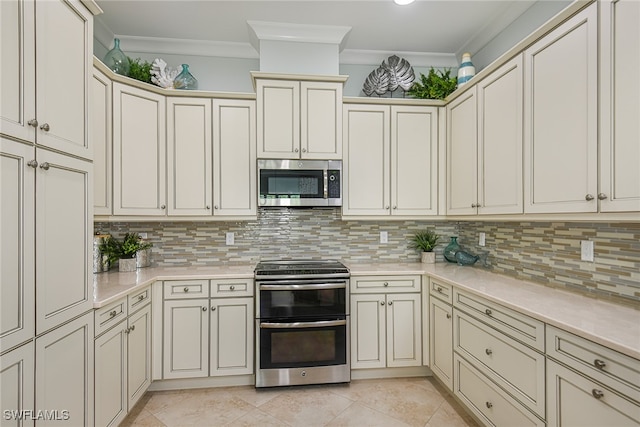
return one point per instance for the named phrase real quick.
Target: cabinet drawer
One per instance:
(513, 366)
(441, 290)
(516, 325)
(378, 284)
(232, 288)
(603, 364)
(487, 401)
(110, 315)
(183, 289)
(139, 299)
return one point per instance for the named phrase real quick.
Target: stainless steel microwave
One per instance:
(299, 183)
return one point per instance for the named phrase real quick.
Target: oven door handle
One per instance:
(305, 287)
(300, 325)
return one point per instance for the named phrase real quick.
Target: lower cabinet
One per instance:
(123, 363)
(441, 345)
(17, 384)
(208, 336)
(386, 330)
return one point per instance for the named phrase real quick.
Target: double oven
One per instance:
(302, 323)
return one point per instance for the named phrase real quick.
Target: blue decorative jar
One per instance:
(466, 70)
(451, 249)
(116, 60)
(185, 79)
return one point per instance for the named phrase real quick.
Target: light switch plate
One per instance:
(482, 239)
(230, 238)
(384, 237)
(586, 250)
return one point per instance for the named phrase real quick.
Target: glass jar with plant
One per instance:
(425, 241)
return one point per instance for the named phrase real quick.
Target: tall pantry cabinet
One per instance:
(46, 189)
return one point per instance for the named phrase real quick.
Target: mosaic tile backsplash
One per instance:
(544, 252)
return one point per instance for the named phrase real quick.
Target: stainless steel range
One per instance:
(302, 323)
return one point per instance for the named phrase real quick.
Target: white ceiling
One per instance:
(424, 27)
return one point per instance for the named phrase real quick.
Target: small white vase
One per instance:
(428, 257)
(127, 264)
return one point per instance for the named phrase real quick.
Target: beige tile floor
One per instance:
(420, 402)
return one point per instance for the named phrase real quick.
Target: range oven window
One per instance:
(302, 346)
(277, 183)
(301, 303)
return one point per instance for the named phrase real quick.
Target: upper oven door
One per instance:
(295, 299)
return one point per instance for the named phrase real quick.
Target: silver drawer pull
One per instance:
(186, 289)
(598, 394)
(140, 297)
(600, 364)
(488, 312)
(488, 351)
(489, 405)
(439, 289)
(232, 287)
(113, 313)
(386, 283)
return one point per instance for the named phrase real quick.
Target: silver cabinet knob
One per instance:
(45, 166)
(208, 207)
(127, 331)
(232, 287)
(132, 328)
(489, 405)
(215, 207)
(204, 308)
(390, 303)
(386, 284)
(448, 316)
(213, 308)
(140, 297)
(395, 207)
(600, 364)
(589, 197)
(295, 150)
(32, 163)
(488, 351)
(598, 394)
(304, 150)
(186, 289)
(439, 289)
(381, 302)
(386, 207)
(163, 207)
(488, 312)
(45, 127)
(113, 313)
(602, 196)
(33, 123)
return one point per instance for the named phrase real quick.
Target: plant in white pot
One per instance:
(129, 251)
(425, 241)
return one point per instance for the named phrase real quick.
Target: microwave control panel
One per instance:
(333, 185)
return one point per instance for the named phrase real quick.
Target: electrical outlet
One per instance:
(384, 237)
(586, 250)
(482, 239)
(230, 239)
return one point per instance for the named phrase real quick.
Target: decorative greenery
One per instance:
(140, 70)
(127, 248)
(436, 85)
(425, 241)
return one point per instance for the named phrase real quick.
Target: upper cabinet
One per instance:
(297, 118)
(561, 118)
(619, 106)
(47, 45)
(101, 138)
(390, 160)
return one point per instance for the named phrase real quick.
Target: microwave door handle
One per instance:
(310, 287)
(326, 183)
(300, 325)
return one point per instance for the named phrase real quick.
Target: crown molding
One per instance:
(278, 31)
(416, 59)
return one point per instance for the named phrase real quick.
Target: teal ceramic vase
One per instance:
(185, 79)
(116, 60)
(451, 249)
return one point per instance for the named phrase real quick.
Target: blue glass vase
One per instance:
(451, 249)
(185, 79)
(116, 60)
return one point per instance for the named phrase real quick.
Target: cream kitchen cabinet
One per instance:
(64, 366)
(386, 323)
(208, 336)
(122, 359)
(299, 119)
(619, 106)
(484, 146)
(441, 336)
(47, 45)
(139, 152)
(561, 118)
(101, 138)
(390, 160)
(17, 384)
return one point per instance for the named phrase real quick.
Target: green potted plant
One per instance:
(435, 85)
(132, 252)
(425, 241)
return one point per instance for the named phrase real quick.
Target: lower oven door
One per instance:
(308, 352)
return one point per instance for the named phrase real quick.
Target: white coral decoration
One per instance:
(162, 75)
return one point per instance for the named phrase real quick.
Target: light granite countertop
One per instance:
(612, 325)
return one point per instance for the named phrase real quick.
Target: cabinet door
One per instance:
(234, 156)
(189, 160)
(17, 80)
(441, 348)
(366, 167)
(138, 355)
(414, 160)
(101, 138)
(17, 384)
(65, 369)
(500, 140)
(462, 136)
(186, 339)
(619, 106)
(368, 317)
(139, 152)
(278, 108)
(561, 120)
(63, 199)
(231, 336)
(111, 376)
(17, 253)
(321, 120)
(64, 55)
(576, 400)
(404, 330)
